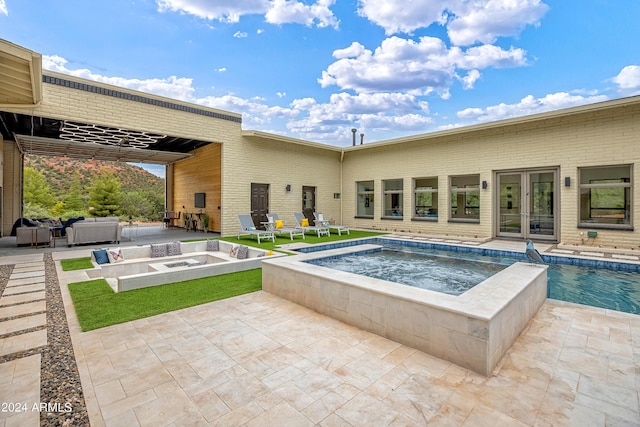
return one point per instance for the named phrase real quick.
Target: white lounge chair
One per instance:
(322, 221)
(293, 231)
(319, 229)
(247, 227)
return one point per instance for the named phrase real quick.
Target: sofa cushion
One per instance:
(234, 251)
(115, 255)
(213, 245)
(243, 252)
(158, 250)
(101, 256)
(173, 248)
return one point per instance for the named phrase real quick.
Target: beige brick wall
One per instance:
(594, 137)
(61, 102)
(277, 163)
(607, 137)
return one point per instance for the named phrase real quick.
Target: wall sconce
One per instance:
(567, 181)
(288, 187)
(484, 185)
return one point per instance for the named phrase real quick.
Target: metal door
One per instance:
(259, 203)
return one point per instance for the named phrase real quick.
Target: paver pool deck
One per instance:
(259, 360)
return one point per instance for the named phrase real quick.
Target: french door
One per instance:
(527, 201)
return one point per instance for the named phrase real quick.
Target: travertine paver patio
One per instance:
(258, 360)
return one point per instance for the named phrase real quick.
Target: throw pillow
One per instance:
(243, 252)
(234, 251)
(304, 222)
(101, 256)
(174, 249)
(213, 245)
(158, 250)
(279, 223)
(115, 255)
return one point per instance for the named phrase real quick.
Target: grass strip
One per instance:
(97, 306)
(311, 239)
(76, 264)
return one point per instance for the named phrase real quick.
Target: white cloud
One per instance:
(240, 35)
(275, 11)
(3, 7)
(254, 112)
(527, 106)
(379, 112)
(171, 87)
(467, 22)
(628, 80)
(400, 64)
(221, 10)
(281, 94)
(222, 69)
(485, 21)
(290, 12)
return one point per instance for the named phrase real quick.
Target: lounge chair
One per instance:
(320, 220)
(319, 229)
(247, 227)
(293, 231)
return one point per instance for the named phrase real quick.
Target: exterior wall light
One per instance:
(288, 187)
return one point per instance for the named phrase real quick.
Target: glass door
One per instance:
(510, 209)
(541, 212)
(526, 204)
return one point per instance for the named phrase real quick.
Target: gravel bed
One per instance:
(59, 377)
(60, 387)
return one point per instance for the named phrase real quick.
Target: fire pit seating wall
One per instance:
(138, 269)
(94, 230)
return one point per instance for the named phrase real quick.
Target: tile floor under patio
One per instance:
(260, 360)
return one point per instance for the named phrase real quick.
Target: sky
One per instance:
(315, 69)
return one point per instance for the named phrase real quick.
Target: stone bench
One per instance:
(139, 270)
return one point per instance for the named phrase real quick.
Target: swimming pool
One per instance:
(598, 283)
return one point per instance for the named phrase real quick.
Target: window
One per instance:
(365, 199)
(425, 197)
(465, 197)
(605, 196)
(392, 203)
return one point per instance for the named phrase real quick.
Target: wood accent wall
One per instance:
(200, 174)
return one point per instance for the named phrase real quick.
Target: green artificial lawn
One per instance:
(76, 264)
(98, 306)
(309, 239)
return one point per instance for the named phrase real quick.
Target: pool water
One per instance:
(437, 273)
(454, 270)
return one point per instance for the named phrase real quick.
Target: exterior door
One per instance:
(309, 202)
(259, 203)
(526, 204)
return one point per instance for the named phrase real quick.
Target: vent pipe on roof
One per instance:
(361, 138)
(354, 130)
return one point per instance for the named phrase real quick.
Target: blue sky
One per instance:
(314, 69)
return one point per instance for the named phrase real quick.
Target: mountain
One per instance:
(59, 172)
